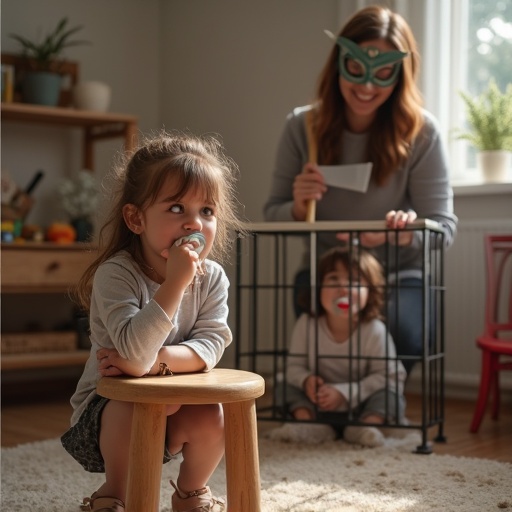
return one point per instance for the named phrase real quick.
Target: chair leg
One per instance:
(146, 457)
(242, 458)
(483, 393)
(495, 390)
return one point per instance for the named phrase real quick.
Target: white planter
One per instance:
(92, 96)
(494, 165)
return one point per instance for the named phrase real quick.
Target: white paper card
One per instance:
(352, 177)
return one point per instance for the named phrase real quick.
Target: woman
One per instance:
(368, 109)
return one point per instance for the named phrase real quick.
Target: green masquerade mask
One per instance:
(368, 65)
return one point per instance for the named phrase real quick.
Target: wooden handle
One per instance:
(312, 158)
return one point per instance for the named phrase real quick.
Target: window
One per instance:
(489, 49)
(481, 49)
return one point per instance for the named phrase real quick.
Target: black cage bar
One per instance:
(267, 261)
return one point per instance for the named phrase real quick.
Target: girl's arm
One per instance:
(380, 373)
(205, 343)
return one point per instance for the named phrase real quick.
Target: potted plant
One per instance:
(42, 80)
(489, 117)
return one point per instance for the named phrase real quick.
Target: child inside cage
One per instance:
(342, 359)
(158, 305)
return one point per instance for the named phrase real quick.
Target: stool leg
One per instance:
(242, 459)
(146, 458)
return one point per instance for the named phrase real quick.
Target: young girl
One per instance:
(157, 305)
(343, 359)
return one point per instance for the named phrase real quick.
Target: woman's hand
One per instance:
(399, 220)
(395, 220)
(111, 364)
(309, 185)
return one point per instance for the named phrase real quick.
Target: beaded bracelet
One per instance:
(164, 370)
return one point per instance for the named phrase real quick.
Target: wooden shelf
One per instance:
(37, 268)
(44, 360)
(96, 125)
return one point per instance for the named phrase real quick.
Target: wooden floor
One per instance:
(47, 414)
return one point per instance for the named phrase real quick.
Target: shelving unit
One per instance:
(95, 125)
(48, 268)
(42, 268)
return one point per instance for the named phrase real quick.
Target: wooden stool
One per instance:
(237, 390)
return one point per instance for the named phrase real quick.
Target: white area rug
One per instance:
(331, 476)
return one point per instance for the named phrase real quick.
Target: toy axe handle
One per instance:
(312, 157)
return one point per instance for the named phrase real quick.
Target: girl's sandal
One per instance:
(196, 501)
(102, 504)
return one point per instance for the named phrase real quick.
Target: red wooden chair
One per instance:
(496, 341)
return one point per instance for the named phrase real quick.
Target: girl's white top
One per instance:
(357, 368)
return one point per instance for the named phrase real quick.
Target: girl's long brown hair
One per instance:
(197, 163)
(398, 120)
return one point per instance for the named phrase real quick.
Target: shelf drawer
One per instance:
(42, 267)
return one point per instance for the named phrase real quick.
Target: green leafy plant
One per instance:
(44, 55)
(489, 117)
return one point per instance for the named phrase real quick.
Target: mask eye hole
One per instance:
(385, 73)
(354, 68)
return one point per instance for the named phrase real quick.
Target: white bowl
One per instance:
(92, 96)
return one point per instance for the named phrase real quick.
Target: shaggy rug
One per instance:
(329, 476)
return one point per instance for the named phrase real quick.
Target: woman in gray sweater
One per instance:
(368, 109)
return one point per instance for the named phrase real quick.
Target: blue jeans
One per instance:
(403, 313)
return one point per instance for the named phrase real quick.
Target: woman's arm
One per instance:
(291, 156)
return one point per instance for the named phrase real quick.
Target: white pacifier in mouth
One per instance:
(197, 240)
(342, 303)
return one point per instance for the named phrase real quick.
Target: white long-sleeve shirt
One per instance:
(358, 367)
(124, 316)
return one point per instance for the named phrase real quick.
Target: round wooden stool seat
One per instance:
(236, 390)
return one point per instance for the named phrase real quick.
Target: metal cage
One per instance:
(267, 262)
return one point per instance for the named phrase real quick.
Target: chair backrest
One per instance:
(498, 311)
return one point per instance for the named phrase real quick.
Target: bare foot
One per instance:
(302, 413)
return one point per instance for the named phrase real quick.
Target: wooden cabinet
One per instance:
(40, 269)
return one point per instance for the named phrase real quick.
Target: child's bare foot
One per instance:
(301, 413)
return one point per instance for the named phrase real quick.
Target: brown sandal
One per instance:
(196, 501)
(102, 504)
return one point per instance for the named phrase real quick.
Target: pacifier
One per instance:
(197, 240)
(342, 303)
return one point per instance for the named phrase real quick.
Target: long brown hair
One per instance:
(398, 120)
(196, 163)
